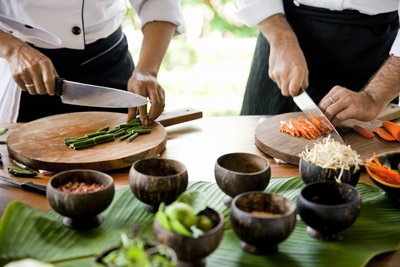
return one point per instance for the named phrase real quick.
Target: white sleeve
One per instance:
(395, 50)
(9, 94)
(160, 10)
(252, 12)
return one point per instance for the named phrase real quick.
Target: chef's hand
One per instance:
(31, 70)
(341, 104)
(287, 64)
(146, 84)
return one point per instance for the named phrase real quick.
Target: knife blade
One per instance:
(28, 186)
(307, 105)
(82, 94)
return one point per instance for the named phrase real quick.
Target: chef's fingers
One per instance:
(27, 81)
(132, 112)
(284, 85)
(295, 84)
(49, 78)
(38, 84)
(143, 115)
(331, 97)
(157, 99)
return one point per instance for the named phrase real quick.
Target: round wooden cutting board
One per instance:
(40, 143)
(287, 148)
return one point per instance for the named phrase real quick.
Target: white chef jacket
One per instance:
(252, 12)
(69, 24)
(60, 24)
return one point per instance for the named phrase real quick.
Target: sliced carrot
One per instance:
(382, 172)
(392, 128)
(364, 132)
(385, 135)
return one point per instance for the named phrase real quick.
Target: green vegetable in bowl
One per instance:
(136, 252)
(184, 215)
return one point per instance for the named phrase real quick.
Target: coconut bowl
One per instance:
(157, 180)
(236, 173)
(391, 160)
(262, 221)
(192, 251)
(328, 208)
(81, 205)
(310, 173)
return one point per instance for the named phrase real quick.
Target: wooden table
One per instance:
(197, 144)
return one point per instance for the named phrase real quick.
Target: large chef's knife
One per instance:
(307, 105)
(28, 186)
(82, 94)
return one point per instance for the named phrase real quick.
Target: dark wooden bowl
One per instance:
(328, 208)
(192, 251)
(157, 180)
(236, 173)
(261, 233)
(310, 173)
(392, 160)
(80, 210)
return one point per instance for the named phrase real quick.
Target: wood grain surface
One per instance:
(287, 148)
(40, 143)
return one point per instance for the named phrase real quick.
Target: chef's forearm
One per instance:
(8, 44)
(156, 38)
(385, 85)
(277, 30)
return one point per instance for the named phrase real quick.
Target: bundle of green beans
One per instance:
(128, 131)
(22, 170)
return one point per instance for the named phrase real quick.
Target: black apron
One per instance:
(341, 48)
(106, 62)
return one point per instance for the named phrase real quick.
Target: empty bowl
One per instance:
(80, 196)
(262, 220)
(391, 160)
(157, 180)
(236, 173)
(328, 208)
(192, 251)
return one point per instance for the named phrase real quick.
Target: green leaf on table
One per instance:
(28, 233)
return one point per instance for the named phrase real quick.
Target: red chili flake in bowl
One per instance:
(80, 187)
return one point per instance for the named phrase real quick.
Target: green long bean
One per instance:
(126, 131)
(22, 173)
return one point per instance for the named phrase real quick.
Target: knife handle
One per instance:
(59, 83)
(36, 188)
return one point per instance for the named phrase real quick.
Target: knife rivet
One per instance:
(76, 30)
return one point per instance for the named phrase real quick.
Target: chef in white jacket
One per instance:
(346, 54)
(80, 40)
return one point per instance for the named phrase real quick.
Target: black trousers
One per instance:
(106, 62)
(341, 48)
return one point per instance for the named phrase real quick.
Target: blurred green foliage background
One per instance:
(207, 67)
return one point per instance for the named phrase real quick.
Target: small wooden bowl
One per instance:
(392, 160)
(236, 173)
(328, 208)
(310, 173)
(192, 251)
(157, 180)
(262, 221)
(80, 210)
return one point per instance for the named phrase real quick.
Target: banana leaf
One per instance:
(28, 233)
